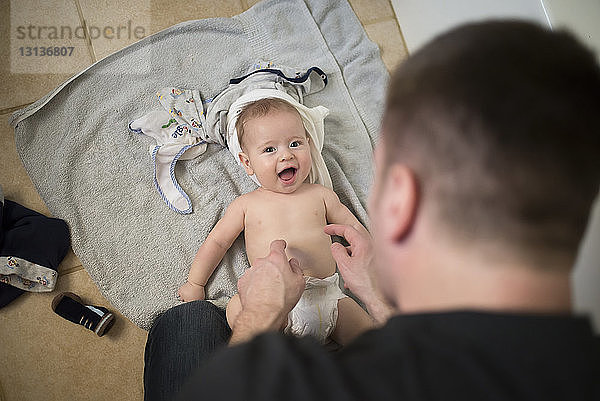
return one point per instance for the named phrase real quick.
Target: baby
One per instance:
(275, 148)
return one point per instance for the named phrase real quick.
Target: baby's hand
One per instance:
(191, 292)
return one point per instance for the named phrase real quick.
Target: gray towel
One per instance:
(96, 175)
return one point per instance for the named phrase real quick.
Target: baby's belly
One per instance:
(312, 249)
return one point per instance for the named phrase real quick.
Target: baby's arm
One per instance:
(338, 213)
(352, 319)
(212, 251)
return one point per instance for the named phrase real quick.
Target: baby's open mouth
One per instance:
(288, 174)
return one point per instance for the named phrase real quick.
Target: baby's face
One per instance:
(277, 150)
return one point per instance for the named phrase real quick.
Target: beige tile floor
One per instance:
(42, 356)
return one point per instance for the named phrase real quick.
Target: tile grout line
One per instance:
(402, 37)
(91, 52)
(378, 20)
(9, 110)
(70, 270)
(86, 32)
(395, 18)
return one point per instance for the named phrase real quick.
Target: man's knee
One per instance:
(185, 310)
(190, 316)
(179, 340)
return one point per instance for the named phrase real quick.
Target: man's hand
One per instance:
(355, 265)
(354, 261)
(268, 291)
(191, 292)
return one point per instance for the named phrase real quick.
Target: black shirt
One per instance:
(440, 356)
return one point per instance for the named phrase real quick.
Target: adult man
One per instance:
(485, 173)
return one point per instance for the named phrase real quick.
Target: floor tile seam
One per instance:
(387, 19)
(86, 32)
(395, 18)
(71, 270)
(401, 36)
(10, 110)
(376, 21)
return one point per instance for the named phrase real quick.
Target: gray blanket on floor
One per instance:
(96, 175)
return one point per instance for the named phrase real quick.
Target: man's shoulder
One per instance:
(274, 366)
(430, 356)
(270, 367)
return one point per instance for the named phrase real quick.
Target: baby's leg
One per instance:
(234, 307)
(352, 321)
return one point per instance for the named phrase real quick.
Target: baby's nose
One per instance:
(287, 155)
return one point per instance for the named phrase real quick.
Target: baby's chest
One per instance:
(289, 215)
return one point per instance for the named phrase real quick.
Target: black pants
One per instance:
(179, 340)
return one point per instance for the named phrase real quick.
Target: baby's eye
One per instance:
(295, 144)
(269, 149)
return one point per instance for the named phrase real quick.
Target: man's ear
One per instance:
(400, 201)
(246, 163)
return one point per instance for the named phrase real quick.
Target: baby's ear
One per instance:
(246, 163)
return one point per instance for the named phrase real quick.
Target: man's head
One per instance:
(274, 144)
(498, 126)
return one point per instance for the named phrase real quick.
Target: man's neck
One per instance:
(462, 280)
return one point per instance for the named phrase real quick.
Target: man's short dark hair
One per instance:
(500, 122)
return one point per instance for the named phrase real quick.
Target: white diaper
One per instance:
(316, 312)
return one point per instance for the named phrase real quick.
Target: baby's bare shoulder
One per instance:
(246, 199)
(321, 192)
(318, 190)
(246, 196)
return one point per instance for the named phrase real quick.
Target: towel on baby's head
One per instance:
(182, 129)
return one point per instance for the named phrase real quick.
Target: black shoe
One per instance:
(95, 318)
